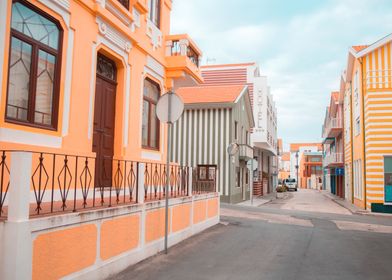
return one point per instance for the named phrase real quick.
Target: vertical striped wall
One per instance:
(377, 65)
(378, 119)
(201, 136)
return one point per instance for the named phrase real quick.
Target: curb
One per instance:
(357, 212)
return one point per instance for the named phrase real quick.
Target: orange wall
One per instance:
(86, 33)
(119, 235)
(59, 253)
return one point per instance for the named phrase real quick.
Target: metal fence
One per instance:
(155, 180)
(68, 183)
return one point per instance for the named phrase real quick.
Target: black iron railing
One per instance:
(155, 178)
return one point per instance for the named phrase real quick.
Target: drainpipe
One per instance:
(363, 127)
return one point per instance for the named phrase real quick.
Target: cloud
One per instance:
(301, 47)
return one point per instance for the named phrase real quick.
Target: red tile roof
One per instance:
(210, 94)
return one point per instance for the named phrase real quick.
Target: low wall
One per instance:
(99, 243)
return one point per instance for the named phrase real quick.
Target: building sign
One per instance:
(339, 171)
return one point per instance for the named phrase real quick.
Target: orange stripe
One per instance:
(376, 67)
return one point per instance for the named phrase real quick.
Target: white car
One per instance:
(290, 184)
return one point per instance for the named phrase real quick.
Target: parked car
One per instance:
(290, 184)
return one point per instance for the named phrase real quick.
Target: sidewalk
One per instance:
(351, 207)
(259, 200)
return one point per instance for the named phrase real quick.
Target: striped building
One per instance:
(264, 135)
(214, 117)
(368, 125)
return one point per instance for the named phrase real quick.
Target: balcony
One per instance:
(332, 128)
(246, 152)
(378, 78)
(333, 160)
(183, 58)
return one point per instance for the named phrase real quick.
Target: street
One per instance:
(306, 236)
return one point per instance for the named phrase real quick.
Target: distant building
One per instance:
(297, 151)
(311, 170)
(333, 146)
(283, 161)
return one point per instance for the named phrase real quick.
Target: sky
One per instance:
(301, 46)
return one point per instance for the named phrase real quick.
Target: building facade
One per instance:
(81, 147)
(333, 146)
(297, 151)
(311, 170)
(264, 134)
(214, 117)
(367, 122)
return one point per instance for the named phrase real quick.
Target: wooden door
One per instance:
(103, 133)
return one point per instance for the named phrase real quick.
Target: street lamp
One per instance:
(296, 167)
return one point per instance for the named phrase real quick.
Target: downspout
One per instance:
(364, 134)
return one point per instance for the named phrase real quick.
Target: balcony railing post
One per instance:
(169, 45)
(184, 43)
(140, 182)
(16, 254)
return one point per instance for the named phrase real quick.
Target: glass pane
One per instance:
(388, 164)
(34, 25)
(145, 123)
(153, 127)
(151, 90)
(44, 93)
(19, 79)
(211, 173)
(202, 173)
(106, 68)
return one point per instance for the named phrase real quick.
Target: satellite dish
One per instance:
(172, 100)
(233, 148)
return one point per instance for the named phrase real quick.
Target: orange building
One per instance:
(310, 170)
(79, 137)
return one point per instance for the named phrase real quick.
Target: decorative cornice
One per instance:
(113, 36)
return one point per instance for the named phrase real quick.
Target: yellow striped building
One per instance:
(367, 90)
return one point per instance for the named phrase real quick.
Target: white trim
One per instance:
(151, 156)
(29, 138)
(61, 7)
(68, 83)
(372, 47)
(155, 66)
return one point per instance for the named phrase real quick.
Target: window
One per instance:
(206, 172)
(235, 130)
(357, 126)
(150, 122)
(34, 67)
(155, 12)
(125, 3)
(388, 179)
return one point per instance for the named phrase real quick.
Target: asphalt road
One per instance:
(276, 242)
